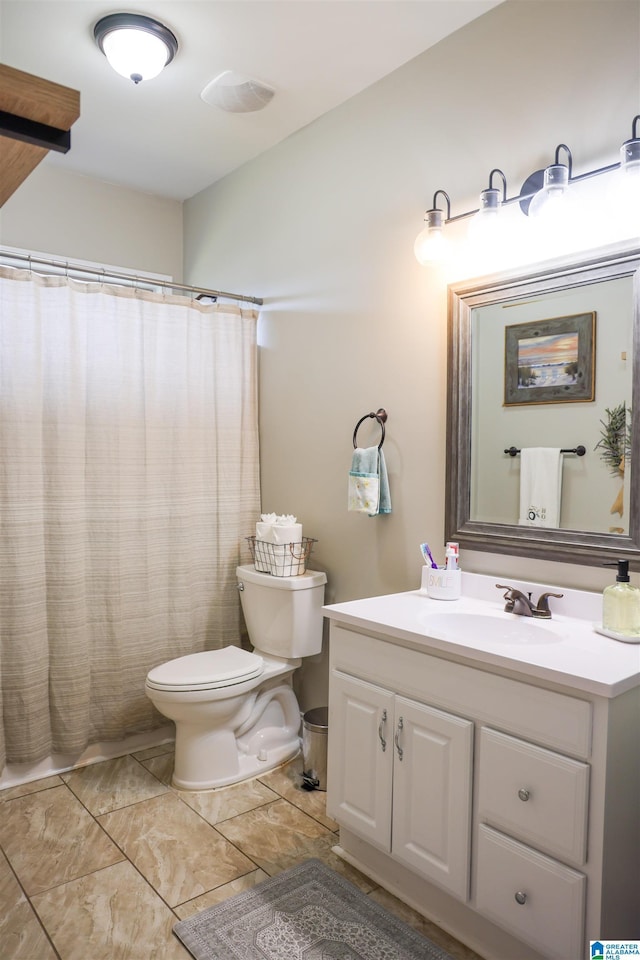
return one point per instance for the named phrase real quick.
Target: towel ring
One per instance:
(381, 416)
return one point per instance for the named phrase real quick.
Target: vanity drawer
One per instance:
(537, 795)
(534, 897)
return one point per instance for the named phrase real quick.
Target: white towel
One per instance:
(273, 528)
(288, 560)
(273, 553)
(540, 486)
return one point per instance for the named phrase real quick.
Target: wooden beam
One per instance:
(37, 100)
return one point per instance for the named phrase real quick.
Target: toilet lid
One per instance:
(206, 671)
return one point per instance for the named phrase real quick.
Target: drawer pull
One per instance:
(380, 735)
(523, 794)
(397, 738)
(521, 897)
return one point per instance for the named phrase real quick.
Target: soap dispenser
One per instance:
(621, 604)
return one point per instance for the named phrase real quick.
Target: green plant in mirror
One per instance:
(615, 438)
(615, 447)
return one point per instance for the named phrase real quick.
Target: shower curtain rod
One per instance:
(108, 277)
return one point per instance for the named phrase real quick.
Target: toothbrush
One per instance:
(427, 557)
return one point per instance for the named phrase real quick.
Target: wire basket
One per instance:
(280, 559)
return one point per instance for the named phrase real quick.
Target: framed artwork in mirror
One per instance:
(550, 361)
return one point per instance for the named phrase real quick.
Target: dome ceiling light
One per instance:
(137, 47)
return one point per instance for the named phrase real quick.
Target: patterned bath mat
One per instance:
(306, 913)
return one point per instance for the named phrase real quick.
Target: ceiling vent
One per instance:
(236, 93)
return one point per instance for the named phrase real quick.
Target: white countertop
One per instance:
(569, 651)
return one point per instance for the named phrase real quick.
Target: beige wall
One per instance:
(322, 226)
(69, 216)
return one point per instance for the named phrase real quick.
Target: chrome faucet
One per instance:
(524, 606)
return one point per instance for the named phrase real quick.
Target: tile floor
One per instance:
(99, 863)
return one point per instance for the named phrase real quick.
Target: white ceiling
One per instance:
(159, 136)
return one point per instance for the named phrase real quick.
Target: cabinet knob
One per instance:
(524, 794)
(521, 897)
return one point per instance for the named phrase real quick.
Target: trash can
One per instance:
(315, 724)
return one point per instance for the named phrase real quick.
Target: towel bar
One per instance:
(381, 416)
(579, 451)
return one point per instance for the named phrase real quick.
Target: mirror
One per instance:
(546, 358)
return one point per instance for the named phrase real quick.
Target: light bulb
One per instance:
(486, 228)
(553, 203)
(135, 54)
(623, 195)
(556, 220)
(431, 245)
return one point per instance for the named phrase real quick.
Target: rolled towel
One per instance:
(262, 554)
(264, 525)
(286, 530)
(281, 528)
(288, 561)
(274, 534)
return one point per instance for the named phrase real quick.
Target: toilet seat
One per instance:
(209, 670)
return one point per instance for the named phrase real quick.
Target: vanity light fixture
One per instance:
(137, 47)
(630, 152)
(552, 204)
(623, 199)
(485, 224)
(431, 245)
(543, 194)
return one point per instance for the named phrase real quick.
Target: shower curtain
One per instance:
(128, 480)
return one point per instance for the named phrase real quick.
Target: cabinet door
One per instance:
(360, 758)
(432, 794)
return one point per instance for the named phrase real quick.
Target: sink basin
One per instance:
(487, 628)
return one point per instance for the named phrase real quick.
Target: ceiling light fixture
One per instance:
(542, 193)
(137, 47)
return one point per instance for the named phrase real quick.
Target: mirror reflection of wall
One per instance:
(589, 489)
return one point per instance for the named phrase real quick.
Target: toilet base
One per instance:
(261, 731)
(248, 767)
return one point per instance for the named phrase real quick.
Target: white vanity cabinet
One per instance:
(402, 778)
(501, 807)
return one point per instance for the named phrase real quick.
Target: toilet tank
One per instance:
(283, 614)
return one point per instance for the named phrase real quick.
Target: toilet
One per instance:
(235, 712)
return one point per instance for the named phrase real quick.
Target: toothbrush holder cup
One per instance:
(441, 584)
